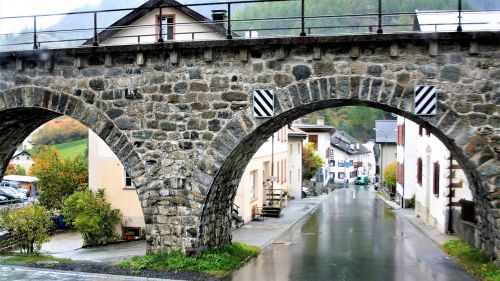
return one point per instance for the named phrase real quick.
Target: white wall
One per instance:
(184, 26)
(295, 167)
(431, 208)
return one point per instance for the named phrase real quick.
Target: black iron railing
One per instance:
(227, 28)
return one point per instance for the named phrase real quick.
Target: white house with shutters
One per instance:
(428, 172)
(319, 135)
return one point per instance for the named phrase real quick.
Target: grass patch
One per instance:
(473, 259)
(215, 262)
(34, 258)
(69, 150)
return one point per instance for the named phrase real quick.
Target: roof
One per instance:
(19, 152)
(433, 21)
(385, 131)
(147, 7)
(347, 143)
(20, 178)
(296, 132)
(314, 127)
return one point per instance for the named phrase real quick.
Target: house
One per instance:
(385, 140)
(348, 158)
(296, 139)
(319, 135)
(23, 159)
(107, 172)
(428, 172)
(176, 22)
(267, 173)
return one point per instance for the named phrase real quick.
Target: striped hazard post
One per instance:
(425, 100)
(263, 103)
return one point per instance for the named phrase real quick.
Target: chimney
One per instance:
(220, 17)
(320, 121)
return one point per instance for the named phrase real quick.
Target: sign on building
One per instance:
(263, 103)
(425, 100)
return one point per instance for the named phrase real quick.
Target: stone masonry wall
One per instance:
(178, 115)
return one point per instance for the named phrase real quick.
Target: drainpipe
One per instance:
(450, 201)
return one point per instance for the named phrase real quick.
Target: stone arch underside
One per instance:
(472, 143)
(23, 109)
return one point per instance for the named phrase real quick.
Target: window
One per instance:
(419, 171)
(436, 179)
(278, 171)
(314, 140)
(167, 23)
(128, 181)
(252, 179)
(420, 130)
(468, 212)
(291, 149)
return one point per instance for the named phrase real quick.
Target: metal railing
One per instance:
(228, 28)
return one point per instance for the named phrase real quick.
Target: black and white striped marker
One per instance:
(263, 103)
(425, 100)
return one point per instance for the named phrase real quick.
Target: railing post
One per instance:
(459, 27)
(96, 41)
(160, 26)
(302, 20)
(35, 44)
(229, 34)
(379, 29)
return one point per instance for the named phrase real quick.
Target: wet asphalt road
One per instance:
(352, 236)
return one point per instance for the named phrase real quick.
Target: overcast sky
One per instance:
(32, 7)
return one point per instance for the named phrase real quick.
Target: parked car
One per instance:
(3, 199)
(17, 186)
(305, 192)
(12, 194)
(363, 180)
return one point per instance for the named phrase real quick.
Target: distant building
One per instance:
(22, 158)
(319, 135)
(348, 158)
(437, 21)
(385, 139)
(143, 25)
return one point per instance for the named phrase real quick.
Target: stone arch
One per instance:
(472, 144)
(23, 109)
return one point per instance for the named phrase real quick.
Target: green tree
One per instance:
(21, 171)
(92, 216)
(59, 178)
(390, 174)
(311, 162)
(29, 226)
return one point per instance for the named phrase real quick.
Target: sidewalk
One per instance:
(435, 235)
(262, 233)
(257, 233)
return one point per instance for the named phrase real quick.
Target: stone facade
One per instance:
(178, 115)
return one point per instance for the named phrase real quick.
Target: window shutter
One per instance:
(436, 179)
(419, 171)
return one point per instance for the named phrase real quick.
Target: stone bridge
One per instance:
(178, 115)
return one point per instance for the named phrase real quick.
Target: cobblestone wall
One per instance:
(179, 116)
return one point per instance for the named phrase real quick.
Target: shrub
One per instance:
(28, 226)
(311, 162)
(390, 174)
(411, 202)
(59, 178)
(92, 216)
